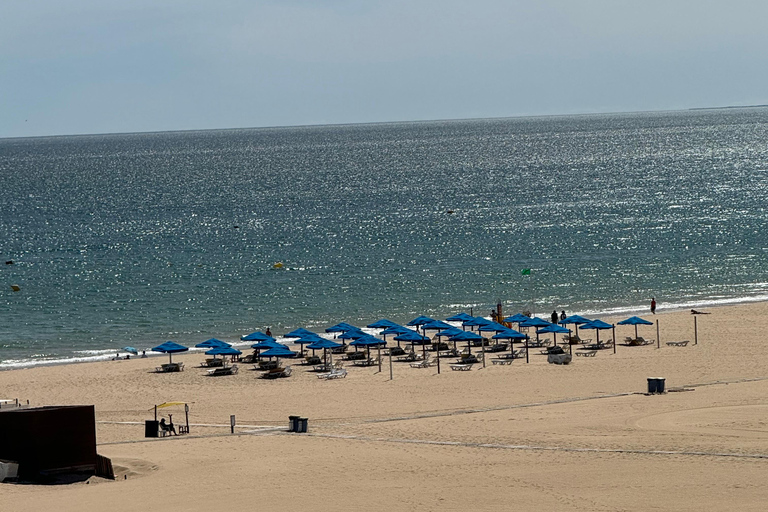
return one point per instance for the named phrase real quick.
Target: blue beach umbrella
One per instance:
(436, 325)
(420, 320)
(516, 319)
(635, 320)
(598, 325)
(576, 320)
(511, 335)
(323, 344)
(223, 351)
(170, 348)
(414, 338)
(447, 333)
(395, 329)
(534, 322)
(299, 333)
(382, 324)
(368, 341)
(266, 345)
(467, 336)
(554, 329)
(460, 317)
(256, 336)
(492, 327)
(131, 350)
(341, 327)
(308, 339)
(281, 351)
(352, 334)
(212, 343)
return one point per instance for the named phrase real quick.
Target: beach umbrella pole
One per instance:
(658, 338)
(614, 337)
(695, 331)
(391, 376)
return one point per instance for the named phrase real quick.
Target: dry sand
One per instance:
(524, 436)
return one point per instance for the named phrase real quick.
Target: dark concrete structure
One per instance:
(46, 441)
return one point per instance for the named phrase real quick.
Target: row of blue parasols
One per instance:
(345, 331)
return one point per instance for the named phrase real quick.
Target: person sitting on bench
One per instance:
(167, 428)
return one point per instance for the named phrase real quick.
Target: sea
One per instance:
(109, 241)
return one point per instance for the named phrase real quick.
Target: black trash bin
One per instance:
(651, 386)
(660, 382)
(293, 423)
(301, 425)
(151, 428)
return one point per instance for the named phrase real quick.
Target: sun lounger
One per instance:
(461, 367)
(367, 362)
(426, 363)
(410, 356)
(506, 360)
(588, 353)
(170, 368)
(277, 373)
(266, 365)
(313, 360)
(224, 370)
(678, 343)
(336, 373)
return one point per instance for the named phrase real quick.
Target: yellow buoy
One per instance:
(279, 264)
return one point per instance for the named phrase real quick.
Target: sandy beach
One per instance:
(522, 436)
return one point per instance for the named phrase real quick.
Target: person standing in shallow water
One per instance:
(653, 305)
(562, 315)
(554, 317)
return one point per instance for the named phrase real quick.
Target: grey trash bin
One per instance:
(293, 423)
(301, 425)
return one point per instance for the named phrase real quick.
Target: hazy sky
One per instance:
(95, 66)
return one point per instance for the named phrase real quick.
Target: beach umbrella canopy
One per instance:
(281, 351)
(575, 320)
(554, 329)
(353, 335)
(509, 334)
(368, 341)
(633, 320)
(492, 327)
(420, 320)
(534, 322)
(395, 329)
(382, 324)
(412, 337)
(516, 319)
(436, 324)
(256, 336)
(460, 317)
(597, 325)
(467, 336)
(447, 333)
(478, 320)
(266, 345)
(299, 333)
(341, 327)
(131, 350)
(211, 343)
(170, 348)
(323, 343)
(223, 351)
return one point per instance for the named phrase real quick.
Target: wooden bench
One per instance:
(677, 343)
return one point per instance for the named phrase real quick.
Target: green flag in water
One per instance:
(526, 272)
